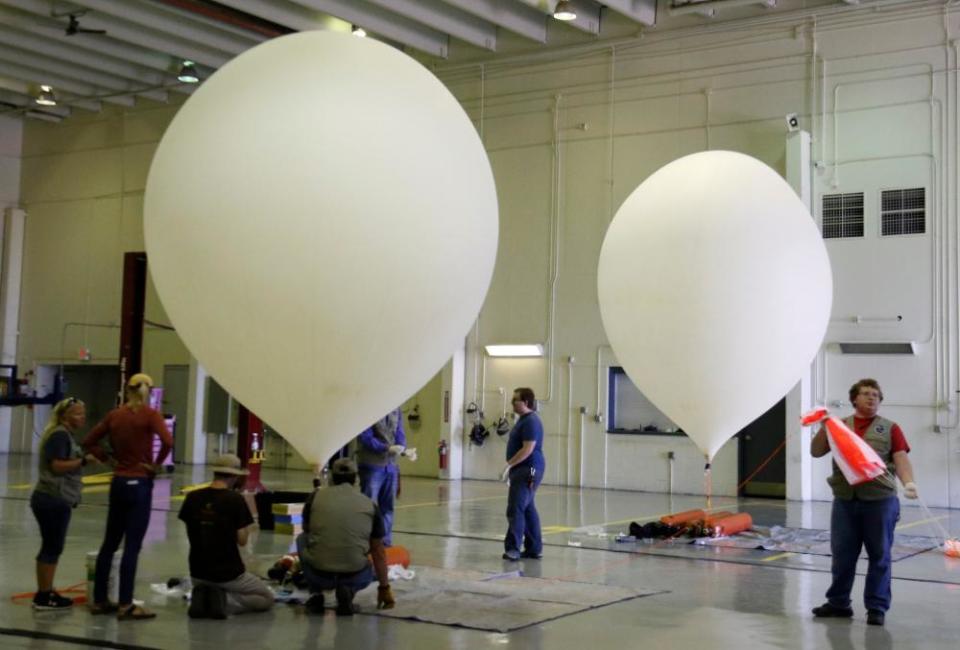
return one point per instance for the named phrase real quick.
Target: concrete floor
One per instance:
(718, 598)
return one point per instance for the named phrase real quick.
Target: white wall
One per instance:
(82, 187)
(571, 136)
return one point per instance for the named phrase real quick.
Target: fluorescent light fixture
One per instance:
(565, 11)
(188, 73)
(46, 96)
(359, 32)
(518, 350)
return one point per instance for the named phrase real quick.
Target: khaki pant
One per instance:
(246, 593)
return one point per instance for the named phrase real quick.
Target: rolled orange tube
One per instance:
(712, 518)
(683, 518)
(732, 525)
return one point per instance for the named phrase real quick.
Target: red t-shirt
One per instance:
(131, 437)
(897, 440)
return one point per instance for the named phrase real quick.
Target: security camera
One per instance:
(793, 122)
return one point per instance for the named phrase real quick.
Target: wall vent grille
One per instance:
(842, 215)
(903, 212)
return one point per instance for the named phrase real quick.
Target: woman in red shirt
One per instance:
(130, 429)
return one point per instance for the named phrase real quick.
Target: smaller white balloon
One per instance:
(321, 225)
(715, 291)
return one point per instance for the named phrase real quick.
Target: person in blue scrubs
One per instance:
(524, 472)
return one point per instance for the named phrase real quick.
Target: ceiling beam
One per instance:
(162, 20)
(26, 103)
(510, 15)
(384, 23)
(102, 71)
(711, 6)
(467, 27)
(642, 11)
(588, 13)
(51, 31)
(63, 86)
(136, 35)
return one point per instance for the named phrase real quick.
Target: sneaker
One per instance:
(315, 604)
(51, 600)
(827, 610)
(345, 605)
(875, 617)
(198, 602)
(512, 556)
(530, 555)
(216, 602)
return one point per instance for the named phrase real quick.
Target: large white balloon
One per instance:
(321, 226)
(715, 291)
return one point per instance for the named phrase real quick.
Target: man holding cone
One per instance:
(865, 514)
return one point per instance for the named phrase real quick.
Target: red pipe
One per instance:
(230, 16)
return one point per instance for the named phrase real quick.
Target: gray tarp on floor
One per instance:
(812, 541)
(486, 601)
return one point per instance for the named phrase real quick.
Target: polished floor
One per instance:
(717, 598)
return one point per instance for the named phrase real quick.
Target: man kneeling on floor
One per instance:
(218, 522)
(340, 527)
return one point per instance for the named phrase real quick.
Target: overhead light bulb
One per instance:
(565, 11)
(188, 73)
(46, 96)
(359, 32)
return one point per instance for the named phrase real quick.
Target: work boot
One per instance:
(875, 617)
(216, 602)
(315, 604)
(827, 610)
(345, 601)
(198, 602)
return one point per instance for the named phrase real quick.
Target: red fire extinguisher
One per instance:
(442, 449)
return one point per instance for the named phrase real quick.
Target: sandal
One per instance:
(103, 608)
(134, 613)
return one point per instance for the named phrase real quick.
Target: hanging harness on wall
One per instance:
(478, 433)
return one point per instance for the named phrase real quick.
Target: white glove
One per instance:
(396, 450)
(505, 477)
(410, 453)
(910, 490)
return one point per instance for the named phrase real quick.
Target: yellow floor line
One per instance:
(435, 503)
(95, 489)
(550, 530)
(778, 556)
(922, 521)
(187, 489)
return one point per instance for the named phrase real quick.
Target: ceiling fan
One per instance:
(73, 27)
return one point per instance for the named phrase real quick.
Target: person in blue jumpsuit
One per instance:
(378, 449)
(524, 471)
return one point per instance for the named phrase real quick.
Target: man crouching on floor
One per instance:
(340, 527)
(218, 522)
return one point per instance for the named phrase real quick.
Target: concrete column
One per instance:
(452, 387)
(195, 449)
(12, 231)
(799, 400)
